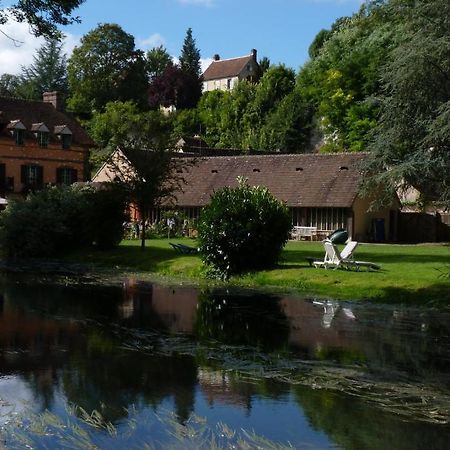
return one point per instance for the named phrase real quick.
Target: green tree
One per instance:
(106, 67)
(9, 84)
(157, 60)
(288, 128)
(146, 169)
(264, 64)
(190, 89)
(321, 37)
(275, 84)
(411, 144)
(242, 229)
(190, 55)
(48, 72)
(42, 16)
(344, 72)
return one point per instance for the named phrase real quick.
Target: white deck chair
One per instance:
(335, 259)
(347, 251)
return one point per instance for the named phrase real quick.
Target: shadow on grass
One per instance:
(436, 295)
(379, 255)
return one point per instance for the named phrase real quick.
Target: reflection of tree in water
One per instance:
(94, 371)
(73, 301)
(242, 319)
(356, 424)
(112, 381)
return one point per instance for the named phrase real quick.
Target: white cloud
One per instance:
(14, 55)
(198, 2)
(154, 40)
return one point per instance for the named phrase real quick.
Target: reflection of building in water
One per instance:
(318, 325)
(175, 307)
(221, 387)
(31, 340)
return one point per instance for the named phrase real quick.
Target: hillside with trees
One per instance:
(377, 81)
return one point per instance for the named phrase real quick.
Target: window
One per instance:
(229, 83)
(66, 140)
(19, 137)
(17, 130)
(66, 175)
(32, 176)
(42, 138)
(64, 134)
(41, 132)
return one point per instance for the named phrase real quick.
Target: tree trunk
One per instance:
(143, 232)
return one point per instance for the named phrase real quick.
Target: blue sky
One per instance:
(282, 30)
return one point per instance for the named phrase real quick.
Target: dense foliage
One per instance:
(411, 144)
(376, 81)
(59, 219)
(43, 16)
(106, 67)
(242, 229)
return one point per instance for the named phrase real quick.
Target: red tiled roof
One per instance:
(301, 180)
(226, 68)
(33, 112)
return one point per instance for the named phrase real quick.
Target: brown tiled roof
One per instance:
(33, 112)
(301, 180)
(226, 68)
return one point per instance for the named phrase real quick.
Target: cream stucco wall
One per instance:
(363, 219)
(221, 84)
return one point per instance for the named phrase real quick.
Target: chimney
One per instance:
(216, 57)
(253, 53)
(54, 98)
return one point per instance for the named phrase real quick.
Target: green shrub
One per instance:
(243, 229)
(60, 219)
(102, 216)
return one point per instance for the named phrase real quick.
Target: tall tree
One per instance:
(158, 59)
(191, 89)
(42, 16)
(264, 64)
(146, 169)
(106, 67)
(48, 72)
(412, 142)
(190, 55)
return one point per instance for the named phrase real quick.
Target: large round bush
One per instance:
(59, 219)
(243, 229)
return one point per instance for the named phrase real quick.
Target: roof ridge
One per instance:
(230, 59)
(279, 155)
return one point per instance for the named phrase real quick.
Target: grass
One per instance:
(409, 273)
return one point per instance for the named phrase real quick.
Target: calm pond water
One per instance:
(141, 365)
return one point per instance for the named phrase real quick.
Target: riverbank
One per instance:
(409, 273)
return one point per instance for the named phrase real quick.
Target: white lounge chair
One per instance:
(334, 259)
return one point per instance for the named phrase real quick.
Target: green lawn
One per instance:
(409, 273)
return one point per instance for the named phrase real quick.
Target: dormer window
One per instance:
(42, 134)
(17, 130)
(64, 135)
(66, 140)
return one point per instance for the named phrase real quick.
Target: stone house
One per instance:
(39, 145)
(223, 74)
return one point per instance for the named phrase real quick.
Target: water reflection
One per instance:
(75, 345)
